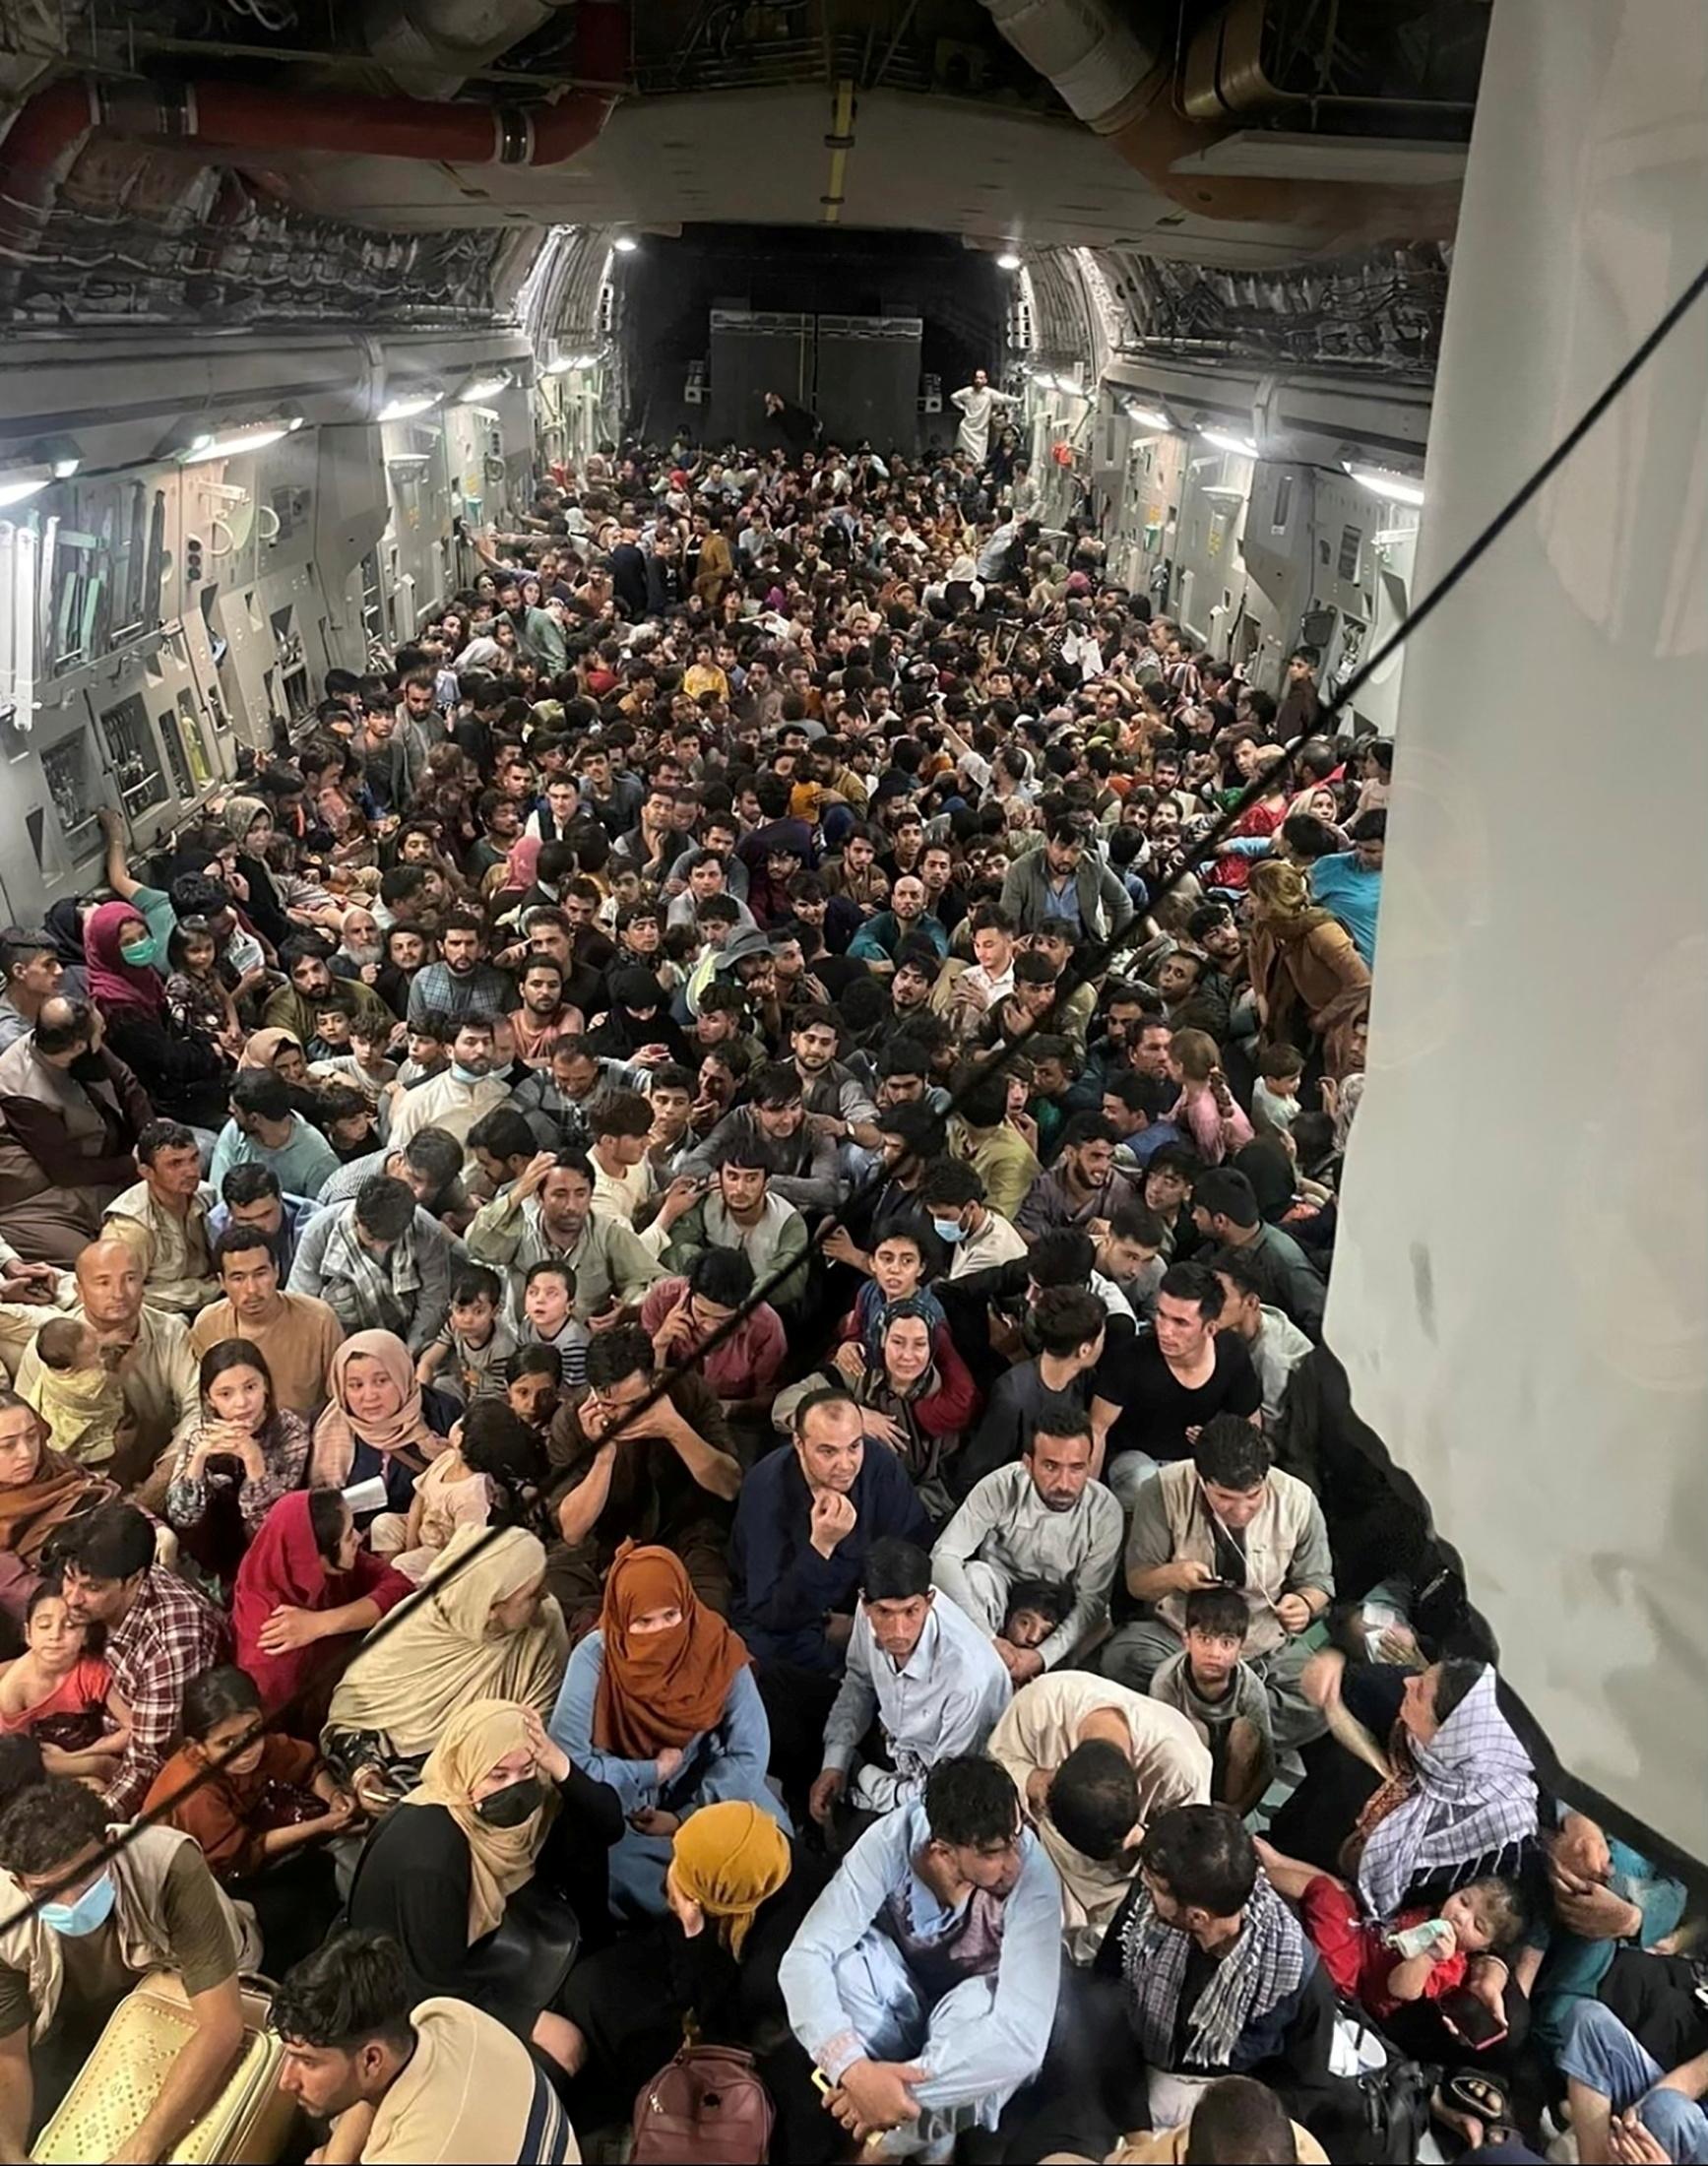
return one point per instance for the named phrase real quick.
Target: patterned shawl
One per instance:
(1265, 1964)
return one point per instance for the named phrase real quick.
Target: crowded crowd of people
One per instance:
(664, 1302)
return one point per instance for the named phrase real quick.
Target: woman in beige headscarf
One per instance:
(480, 1629)
(1308, 977)
(499, 1802)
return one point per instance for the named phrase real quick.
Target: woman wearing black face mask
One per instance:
(502, 1833)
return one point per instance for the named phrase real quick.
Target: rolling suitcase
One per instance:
(245, 2126)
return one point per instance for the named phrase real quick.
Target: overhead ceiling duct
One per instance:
(429, 49)
(252, 121)
(1123, 88)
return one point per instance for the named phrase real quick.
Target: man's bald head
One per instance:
(109, 1284)
(63, 1030)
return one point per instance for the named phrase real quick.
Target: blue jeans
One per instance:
(1602, 2056)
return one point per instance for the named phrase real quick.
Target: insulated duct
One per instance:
(255, 121)
(1124, 89)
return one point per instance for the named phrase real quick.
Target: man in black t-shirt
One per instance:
(1176, 1378)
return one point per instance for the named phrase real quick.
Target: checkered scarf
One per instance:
(1475, 1794)
(1265, 1964)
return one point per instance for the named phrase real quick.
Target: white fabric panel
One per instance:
(1521, 1286)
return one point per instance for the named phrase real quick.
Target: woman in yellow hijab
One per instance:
(735, 1891)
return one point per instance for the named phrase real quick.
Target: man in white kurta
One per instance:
(977, 403)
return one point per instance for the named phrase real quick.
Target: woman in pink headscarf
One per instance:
(184, 1070)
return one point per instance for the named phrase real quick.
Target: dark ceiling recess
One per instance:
(671, 287)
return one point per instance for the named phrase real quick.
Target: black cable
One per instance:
(1085, 967)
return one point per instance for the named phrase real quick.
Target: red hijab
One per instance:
(114, 983)
(282, 1568)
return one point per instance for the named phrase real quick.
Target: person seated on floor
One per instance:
(660, 1703)
(296, 1333)
(681, 1315)
(88, 1922)
(1203, 1972)
(1422, 1954)
(1456, 1799)
(1042, 1519)
(380, 1264)
(805, 1521)
(159, 1633)
(1067, 1324)
(1222, 1696)
(922, 1983)
(1226, 1518)
(915, 1393)
(400, 2078)
(498, 1806)
(1236, 2123)
(148, 1350)
(246, 1453)
(704, 1961)
(922, 1671)
(1093, 1764)
(62, 1694)
(664, 1474)
(164, 1218)
(260, 1804)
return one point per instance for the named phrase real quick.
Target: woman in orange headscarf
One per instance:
(659, 1703)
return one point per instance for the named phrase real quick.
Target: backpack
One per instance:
(1395, 2112)
(707, 2107)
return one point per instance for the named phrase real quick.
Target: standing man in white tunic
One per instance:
(977, 403)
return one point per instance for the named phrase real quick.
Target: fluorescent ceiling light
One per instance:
(17, 489)
(625, 244)
(256, 438)
(1147, 417)
(64, 469)
(1008, 260)
(1396, 488)
(1240, 446)
(482, 388)
(408, 403)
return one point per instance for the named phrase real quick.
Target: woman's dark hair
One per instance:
(498, 1443)
(229, 1354)
(214, 1698)
(328, 1516)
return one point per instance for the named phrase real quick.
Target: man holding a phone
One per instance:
(1225, 1517)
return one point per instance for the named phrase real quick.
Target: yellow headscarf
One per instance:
(728, 1858)
(501, 1859)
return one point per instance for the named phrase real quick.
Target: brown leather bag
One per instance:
(705, 2108)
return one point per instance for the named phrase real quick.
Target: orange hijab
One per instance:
(658, 1688)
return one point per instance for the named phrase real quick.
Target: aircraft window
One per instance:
(1283, 503)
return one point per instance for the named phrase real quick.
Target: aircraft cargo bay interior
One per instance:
(758, 1400)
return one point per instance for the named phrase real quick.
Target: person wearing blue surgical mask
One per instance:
(106, 1915)
(976, 1237)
